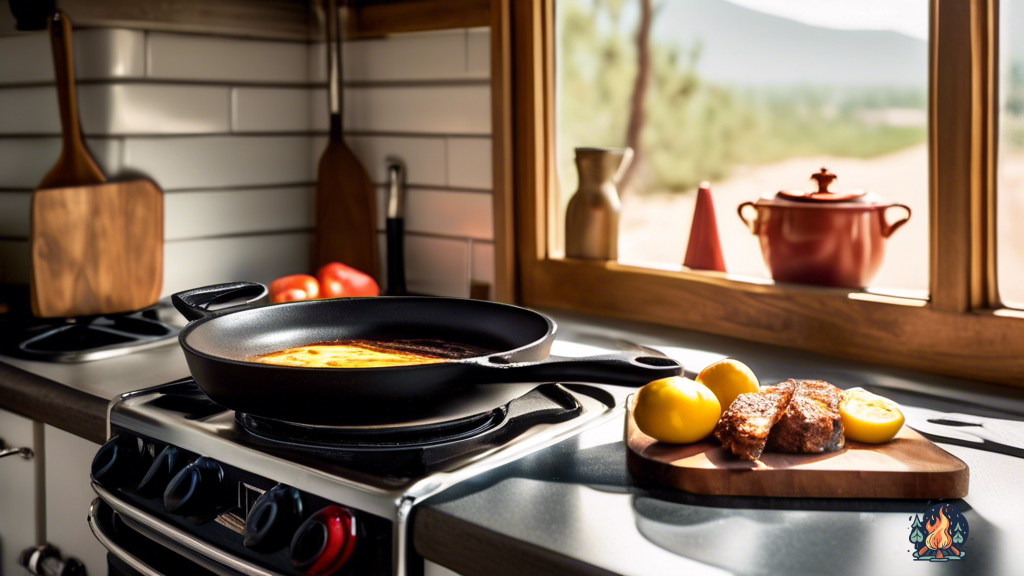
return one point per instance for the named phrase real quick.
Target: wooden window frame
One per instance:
(960, 330)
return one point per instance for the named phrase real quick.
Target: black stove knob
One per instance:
(167, 464)
(117, 462)
(273, 518)
(324, 542)
(198, 489)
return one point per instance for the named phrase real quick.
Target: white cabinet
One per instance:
(68, 496)
(20, 505)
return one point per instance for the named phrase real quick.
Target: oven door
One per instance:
(134, 549)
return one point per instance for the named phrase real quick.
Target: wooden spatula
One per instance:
(346, 219)
(96, 246)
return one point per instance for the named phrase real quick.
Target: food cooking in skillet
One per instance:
(796, 416)
(370, 353)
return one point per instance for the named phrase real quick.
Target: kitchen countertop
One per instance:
(574, 507)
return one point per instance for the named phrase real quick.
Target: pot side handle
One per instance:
(194, 304)
(887, 228)
(752, 223)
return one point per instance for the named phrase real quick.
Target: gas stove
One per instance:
(233, 493)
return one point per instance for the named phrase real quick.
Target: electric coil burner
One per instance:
(237, 493)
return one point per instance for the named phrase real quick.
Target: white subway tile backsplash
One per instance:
(194, 263)
(14, 211)
(14, 261)
(469, 163)
(438, 266)
(29, 110)
(102, 53)
(270, 110)
(202, 213)
(154, 109)
(478, 52)
(462, 109)
(467, 214)
(191, 57)
(440, 55)
(483, 262)
(220, 161)
(319, 112)
(24, 161)
(424, 157)
(119, 109)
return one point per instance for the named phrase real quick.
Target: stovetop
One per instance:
(374, 473)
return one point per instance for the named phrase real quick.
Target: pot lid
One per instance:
(823, 197)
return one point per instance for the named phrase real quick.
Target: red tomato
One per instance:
(338, 280)
(294, 287)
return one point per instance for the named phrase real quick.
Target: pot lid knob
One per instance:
(824, 178)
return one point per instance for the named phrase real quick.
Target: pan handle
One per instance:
(194, 304)
(622, 368)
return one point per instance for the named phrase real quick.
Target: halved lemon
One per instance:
(676, 410)
(869, 417)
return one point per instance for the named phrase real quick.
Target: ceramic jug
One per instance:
(592, 218)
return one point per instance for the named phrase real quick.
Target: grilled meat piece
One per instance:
(811, 422)
(744, 427)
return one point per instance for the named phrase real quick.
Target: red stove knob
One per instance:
(324, 542)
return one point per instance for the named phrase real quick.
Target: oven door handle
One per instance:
(112, 547)
(178, 540)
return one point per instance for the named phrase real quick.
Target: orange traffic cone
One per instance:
(704, 251)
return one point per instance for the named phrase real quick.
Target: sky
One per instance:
(909, 17)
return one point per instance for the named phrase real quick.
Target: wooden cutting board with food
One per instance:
(724, 434)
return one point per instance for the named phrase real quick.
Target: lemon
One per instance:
(728, 379)
(869, 417)
(676, 410)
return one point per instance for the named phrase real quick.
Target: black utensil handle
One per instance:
(622, 368)
(396, 257)
(193, 303)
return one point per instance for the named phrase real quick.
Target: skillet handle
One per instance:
(622, 368)
(193, 304)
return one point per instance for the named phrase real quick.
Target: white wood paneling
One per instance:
(102, 53)
(220, 161)
(19, 497)
(262, 258)
(68, 496)
(204, 213)
(24, 161)
(193, 57)
(438, 266)
(469, 163)
(460, 109)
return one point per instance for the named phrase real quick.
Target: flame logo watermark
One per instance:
(942, 536)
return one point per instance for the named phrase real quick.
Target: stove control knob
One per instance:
(167, 464)
(324, 542)
(197, 489)
(117, 462)
(273, 518)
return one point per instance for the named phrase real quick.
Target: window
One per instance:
(960, 328)
(753, 96)
(1010, 207)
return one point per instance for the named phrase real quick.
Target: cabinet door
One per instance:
(20, 498)
(68, 496)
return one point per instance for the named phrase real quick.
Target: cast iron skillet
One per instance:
(218, 345)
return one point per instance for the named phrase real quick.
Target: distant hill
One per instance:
(744, 47)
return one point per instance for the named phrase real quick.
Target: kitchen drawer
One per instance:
(68, 497)
(20, 479)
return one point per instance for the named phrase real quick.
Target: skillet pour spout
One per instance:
(220, 345)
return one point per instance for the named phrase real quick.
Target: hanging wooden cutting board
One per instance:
(909, 466)
(96, 246)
